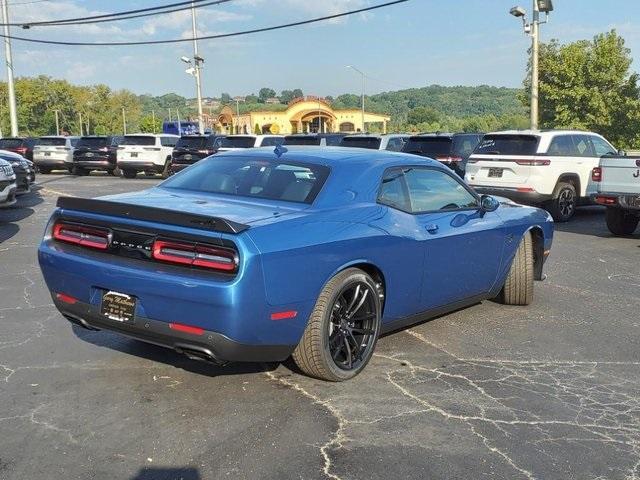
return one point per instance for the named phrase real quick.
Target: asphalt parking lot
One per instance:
(549, 391)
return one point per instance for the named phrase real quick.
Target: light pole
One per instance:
(363, 78)
(238, 100)
(124, 122)
(195, 65)
(533, 30)
(13, 116)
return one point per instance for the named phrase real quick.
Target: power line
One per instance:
(139, 15)
(105, 15)
(210, 37)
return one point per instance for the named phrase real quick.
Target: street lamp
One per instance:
(363, 78)
(532, 29)
(238, 100)
(195, 65)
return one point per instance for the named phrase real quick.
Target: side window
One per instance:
(432, 190)
(393, 192)
(563, 146)
(602, 147)
(271, 141)
(583, 146)
(168, 141)
(395, 144)
(74, 141)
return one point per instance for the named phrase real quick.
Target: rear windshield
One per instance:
(10, 143)
(238, 142)
(52, 141)
(464, 145)
(248, 177)
(192, 142)
(333, 140)
(93, 142)
(429, 146)
(302, 140)
(372, 143)
(138, 140)
(507, 145)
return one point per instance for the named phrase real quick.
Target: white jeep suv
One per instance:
(549, 168)
(145, 152)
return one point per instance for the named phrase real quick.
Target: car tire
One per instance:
(45, 170)
(518, 287)
(115, 172)
(325, 350)
(564, 203)
(79, 171)
(128, 173)
(620, 222)
(166, 170)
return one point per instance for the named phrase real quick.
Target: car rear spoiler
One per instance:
(151, 214)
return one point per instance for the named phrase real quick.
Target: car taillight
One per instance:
(534, 163)
(206, 152)
(21, 150)
(448, 159)
(104, 149)
(605, 200)
(596, 174)
(80, 235)
(195, 255)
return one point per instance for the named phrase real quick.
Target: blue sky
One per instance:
(421, 42)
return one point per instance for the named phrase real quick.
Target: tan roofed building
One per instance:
(301, 115)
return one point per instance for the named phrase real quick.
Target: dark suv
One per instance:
(191, 148)
(451, 149)
(324, 139)
(96, 153)
(19, 145)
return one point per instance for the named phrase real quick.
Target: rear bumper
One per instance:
(209, 345)
(95, 164)
(530, 197)
(51, 162)
(622, 200)
(139, 166)
(8, 196)
(177, 167)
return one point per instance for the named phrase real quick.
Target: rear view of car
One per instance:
(453, 150)
(191, 148)
(95, 153)
(54, 153)
(390, 142)
(145, 153)
(238, 142)
(20, 145)
(7, 185)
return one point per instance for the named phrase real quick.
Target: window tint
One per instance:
(272, 141)
(372, 143)
(138, 140)
(562, 145)
(601, 147)
(52, 141)
(301, 140)
(115, 141)
(583, 146)
(429, 146)
(74, 141)
(432, 190)
(333, 140)
(194, 142)
(10, 143)
(463, 145)
(393, 192)
(508, 145)
(395, 144)
(289, 182)
(238, 142)
(168, 141)
(93, 142)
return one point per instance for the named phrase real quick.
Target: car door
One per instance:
(463, 245)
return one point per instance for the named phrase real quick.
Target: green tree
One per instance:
(286, 96)
(589, 85)
(265, 93)
(423, 115)
(149, 124)
(257, 130)
(225, 98)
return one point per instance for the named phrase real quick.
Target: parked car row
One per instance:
(16, 176)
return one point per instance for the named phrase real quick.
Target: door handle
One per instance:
(431, 228)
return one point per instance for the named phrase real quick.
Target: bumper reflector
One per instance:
(186, 329)
(63, 297)
(284, 315)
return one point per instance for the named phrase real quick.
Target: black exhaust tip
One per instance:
(199, 354)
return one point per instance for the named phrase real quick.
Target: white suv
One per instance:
(7, 184)
(144, 152)
(549, 168)
(54, 152)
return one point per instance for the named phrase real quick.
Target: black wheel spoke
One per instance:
(363, 331)
(349, 355)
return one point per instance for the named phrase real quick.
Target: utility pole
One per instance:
(57, 122)
(124, 121)
(153, 120)
(80, 121)
(197, 60)
(10, 86)
(169, 114)
(179, 125)
(237, 100)
(535, 45)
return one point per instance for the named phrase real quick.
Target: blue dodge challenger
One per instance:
(308, 252)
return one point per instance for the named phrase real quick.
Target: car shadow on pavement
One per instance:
(21, 210)
(167, 356)
(589, 221)
(159, 473)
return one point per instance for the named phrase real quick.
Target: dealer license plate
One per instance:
(495, 172)
(119, 307)
(47, 154)
(134, 154)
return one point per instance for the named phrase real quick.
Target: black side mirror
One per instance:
(488, 204)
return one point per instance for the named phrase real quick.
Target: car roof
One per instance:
(333, 156)
(539, 133)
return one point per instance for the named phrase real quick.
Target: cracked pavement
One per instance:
(549, 391)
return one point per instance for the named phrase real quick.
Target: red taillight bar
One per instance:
(596, 174)
(606, 200)
(186, 328)
(534, 163)
(195, 255)
(81, 235)
(63, 297)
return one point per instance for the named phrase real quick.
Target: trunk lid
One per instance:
(620, 175)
